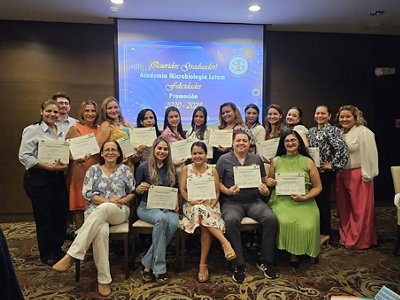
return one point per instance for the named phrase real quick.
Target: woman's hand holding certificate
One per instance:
(220, 138)
(82, 145)
(51, 152)
(290, 184)
(162, 197)
(200, 188)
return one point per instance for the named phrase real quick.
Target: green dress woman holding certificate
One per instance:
(298, 214)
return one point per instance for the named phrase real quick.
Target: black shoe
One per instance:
(162, 277)
(239, 274)
(268, 270)
(147, 276)
(49, 261)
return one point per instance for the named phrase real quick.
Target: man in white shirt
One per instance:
(64, 120)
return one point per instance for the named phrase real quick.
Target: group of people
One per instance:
(100, 186)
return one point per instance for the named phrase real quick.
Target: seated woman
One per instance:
(298, 215)
(205, 213)
(158, 170)
(107, 187)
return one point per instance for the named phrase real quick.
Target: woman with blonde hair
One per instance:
(354, 183)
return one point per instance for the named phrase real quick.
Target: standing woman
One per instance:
(199, 125)
(252, 122)
(108, 188)
(274, 122)
(334, 155)
(205, 213)
(88, 117)
(354, 183)
(229, 118)
(158, 170)
(173, 130)
(145, 118)
(45, 184)
(293, 121)
(113, 125)
(298, 215)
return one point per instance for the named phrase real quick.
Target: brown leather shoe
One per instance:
(104, 289)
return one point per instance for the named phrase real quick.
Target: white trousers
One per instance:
(95, 231)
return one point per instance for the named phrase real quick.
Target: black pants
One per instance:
(324, 202)
(48, 193)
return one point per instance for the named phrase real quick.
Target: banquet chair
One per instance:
(396, 182)
(120, 232)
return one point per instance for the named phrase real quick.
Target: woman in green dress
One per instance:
(298, 214)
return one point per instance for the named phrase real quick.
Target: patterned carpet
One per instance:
(338, 272)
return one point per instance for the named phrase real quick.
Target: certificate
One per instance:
(314, 153)
(126, 146)
(162, 197)
(142, 136)
(221, 137)
(201, 188)
(247, 176)
(268, 148)
(290, 183)
(180, 150)
(82, 145)
(49, 151)
(209, 148)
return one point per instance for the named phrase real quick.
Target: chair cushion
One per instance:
(120, 228)
(140, 223)
(248, 221)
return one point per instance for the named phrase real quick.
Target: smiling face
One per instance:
(251, 116)
(228, 114)
(110, 152)
(89, 114)
(148, 119)
(241, 143)
(199, 118)
(161, 151)
(291, 144)
(50, 114)
(64, 105)
(293, 117)
(322, 116)
(112, 110)
(273, 116)
(173, 119)
(199, 156)
(346, 120)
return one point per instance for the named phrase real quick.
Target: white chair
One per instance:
(396, 182)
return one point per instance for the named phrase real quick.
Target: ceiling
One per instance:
(341, 16)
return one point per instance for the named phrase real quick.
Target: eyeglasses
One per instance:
(291, 141)
(110, 150)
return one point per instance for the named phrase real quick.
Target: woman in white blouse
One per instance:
(354, 183)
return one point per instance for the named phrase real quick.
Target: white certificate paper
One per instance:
(82, 145)
(247, 176)
(142, 136)
(314, 153)
(201, 188)
(221, 138)
(290, 183)
(268, 148)
(162, 197)
(49, 151)
(126, 146)
(180, 150)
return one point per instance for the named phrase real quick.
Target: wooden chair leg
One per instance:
(178, 236)
(182, 249)
(77, 270)
(126, 257)
(397, 245)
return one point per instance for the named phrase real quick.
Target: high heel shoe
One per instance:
(228, 251)
(203, 277)
(324, 239)
(64, 263)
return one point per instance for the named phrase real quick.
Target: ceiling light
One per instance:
(117, 1)
(376, 12)
(254, 8)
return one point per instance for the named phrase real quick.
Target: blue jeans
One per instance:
(165, 224)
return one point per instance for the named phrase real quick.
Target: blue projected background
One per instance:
(185, 65)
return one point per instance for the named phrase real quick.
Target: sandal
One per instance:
(203, 277)
(162, 277)
(228, 251)
(147, 276)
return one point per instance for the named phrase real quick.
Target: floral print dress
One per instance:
(201, 214)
